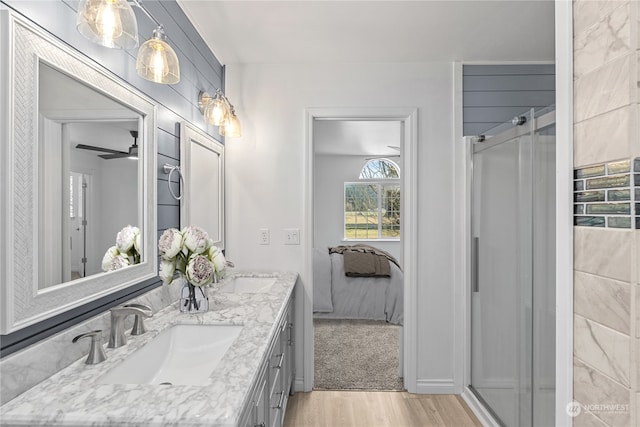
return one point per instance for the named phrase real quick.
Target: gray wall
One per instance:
(493, 94)
(200, 70)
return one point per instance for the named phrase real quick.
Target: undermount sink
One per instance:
(179, 355)
(246, 284)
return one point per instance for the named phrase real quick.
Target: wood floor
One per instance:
(377, 409)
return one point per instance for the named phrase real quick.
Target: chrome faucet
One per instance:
(96, 352)
(118, 314)
(138, 321)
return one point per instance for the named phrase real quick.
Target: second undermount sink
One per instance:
(179, 355)
(247, 284)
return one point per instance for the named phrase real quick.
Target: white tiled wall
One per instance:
(606, 277)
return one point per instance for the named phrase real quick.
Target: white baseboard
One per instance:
(445, 386)
(298, 385)
(478, 409)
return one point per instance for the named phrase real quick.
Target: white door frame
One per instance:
(564, 210)
(409, 176)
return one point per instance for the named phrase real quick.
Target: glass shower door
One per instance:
(501, 301)
(513, 298)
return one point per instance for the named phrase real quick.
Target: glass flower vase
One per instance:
(193, 299)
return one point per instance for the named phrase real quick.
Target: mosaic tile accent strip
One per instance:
(607, 195)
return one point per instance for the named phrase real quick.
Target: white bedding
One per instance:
(337, 296)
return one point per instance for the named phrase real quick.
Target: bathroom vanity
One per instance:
(249, 386)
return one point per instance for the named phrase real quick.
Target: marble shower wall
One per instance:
(606, 260)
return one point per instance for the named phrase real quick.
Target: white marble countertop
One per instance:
(76, 397)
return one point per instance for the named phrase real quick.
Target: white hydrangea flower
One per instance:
(126, 238)
(170, 243)
(111, 253)
(199, 270)
(195, 239)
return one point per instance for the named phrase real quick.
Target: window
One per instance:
(372, 208)
(380, 169)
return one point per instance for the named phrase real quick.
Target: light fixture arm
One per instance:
(138, 3)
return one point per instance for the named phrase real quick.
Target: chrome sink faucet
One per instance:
(118, 314)
(96, 352)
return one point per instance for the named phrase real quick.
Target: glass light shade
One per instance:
(231, 127)
(216, 111)
(157, 61)
(110, 23)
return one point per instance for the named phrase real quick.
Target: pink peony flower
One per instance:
(195, 239)
(121, 261)
(167, 270)
(126, 238)
(199, 270)
(170, 243)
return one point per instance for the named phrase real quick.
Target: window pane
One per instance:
(361, 211)
(391, 211)
(380, 169)
(371, 211)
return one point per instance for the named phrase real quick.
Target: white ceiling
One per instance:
(301, 31)
(356, 137)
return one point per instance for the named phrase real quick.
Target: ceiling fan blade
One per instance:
(94, 148)
(116, 155)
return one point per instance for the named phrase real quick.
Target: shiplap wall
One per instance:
(493, 94)
(199, 69)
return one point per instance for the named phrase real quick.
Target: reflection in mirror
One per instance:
(88, 176)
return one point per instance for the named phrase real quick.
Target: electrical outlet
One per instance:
(292, 236)
(264, 236)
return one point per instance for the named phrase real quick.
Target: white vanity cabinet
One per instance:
(270, 394)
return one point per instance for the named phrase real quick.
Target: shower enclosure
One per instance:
(513, 270)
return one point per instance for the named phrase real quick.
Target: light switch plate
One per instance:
(292, 236)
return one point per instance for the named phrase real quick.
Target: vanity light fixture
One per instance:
(112, 23)
(218, 111)
(231, 127)
(157, 61)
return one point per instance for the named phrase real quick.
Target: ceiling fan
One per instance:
(115, 154)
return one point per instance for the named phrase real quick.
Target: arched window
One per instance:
(372, 205)
(380, 169)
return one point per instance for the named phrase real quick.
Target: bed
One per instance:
(339, 296)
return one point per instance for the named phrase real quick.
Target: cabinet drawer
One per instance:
(276, 405)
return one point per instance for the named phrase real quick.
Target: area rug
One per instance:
(356, 355)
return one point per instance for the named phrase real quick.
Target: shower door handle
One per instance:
(475, 265)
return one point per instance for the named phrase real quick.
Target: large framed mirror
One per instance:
(78, 164)
(202, 166)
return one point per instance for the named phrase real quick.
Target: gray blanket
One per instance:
(363, 248)
(337, 296)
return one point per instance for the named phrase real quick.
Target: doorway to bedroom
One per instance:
(358, 279)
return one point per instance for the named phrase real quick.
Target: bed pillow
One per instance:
(322, 281)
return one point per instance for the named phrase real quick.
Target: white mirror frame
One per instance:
(195, 174)
(22, 47)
